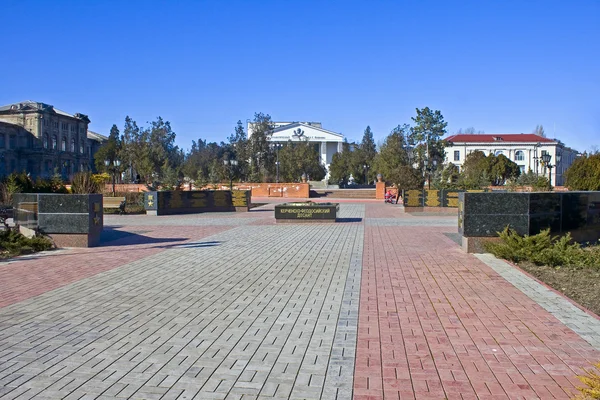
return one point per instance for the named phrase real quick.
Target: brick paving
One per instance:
(233, 306)
(435, 322)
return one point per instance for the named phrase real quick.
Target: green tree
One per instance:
(367, 152)
(474, 173)
(584, 173)
(348, 162)
(238, 143)
(297, 158)
(500, 169)
(258, 147)
(426, 136)
(110, 150)
(393, 154)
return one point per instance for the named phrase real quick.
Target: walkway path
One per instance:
(233, 306)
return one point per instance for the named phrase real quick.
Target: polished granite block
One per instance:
(61, 203)
(483, 225)
(496, 203)
(184, 202)
(64, 223)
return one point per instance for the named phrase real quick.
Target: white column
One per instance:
(324, 153)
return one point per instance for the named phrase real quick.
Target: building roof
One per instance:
(30, 105)
(304, 124)
(96, 136)
(499, 137)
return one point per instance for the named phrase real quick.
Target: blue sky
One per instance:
(498, 66)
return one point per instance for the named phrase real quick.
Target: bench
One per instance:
(115, 202)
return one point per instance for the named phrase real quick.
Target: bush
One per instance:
(12, 243)
(591, 378)
(83, 183)
(544, 249)
(584, 173)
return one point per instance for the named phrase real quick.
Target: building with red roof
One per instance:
(525, 149)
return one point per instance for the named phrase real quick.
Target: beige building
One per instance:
(525, 149)
(42, 140)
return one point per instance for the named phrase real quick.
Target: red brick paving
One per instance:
(435, 322)
(20, 280)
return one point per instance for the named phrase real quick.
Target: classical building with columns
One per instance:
(42, 140)
(327, 143)
(525, 149)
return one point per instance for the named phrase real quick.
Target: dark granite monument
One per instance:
(70, 220)
(306, 212)
(195, 201)
(421, 199)
(483, 215)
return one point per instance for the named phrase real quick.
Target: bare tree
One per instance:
(539, 130)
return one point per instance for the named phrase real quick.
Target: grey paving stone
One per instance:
(271, 311)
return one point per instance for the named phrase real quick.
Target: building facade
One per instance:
(327, 143)
(42, 140)
(526, 150)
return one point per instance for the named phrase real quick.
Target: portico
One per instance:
(326, 142)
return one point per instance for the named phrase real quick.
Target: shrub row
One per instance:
(544, 249)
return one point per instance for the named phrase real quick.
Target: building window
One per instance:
(12, 142)
(54, 142)
(519, 155)
(81, 148)
(65, 126)
(498, 152)
(55, 124)
(456, 155)
(2, 141)
(522, 168)
(45, 141)
(73, 128)
(81, 130)
(72, 145)
(64, 144)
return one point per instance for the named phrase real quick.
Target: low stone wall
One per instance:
(196, 201)
(71, 220)
(483, 215)
(125, 187)
(286, 190)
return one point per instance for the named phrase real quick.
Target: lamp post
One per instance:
(366, 171)
(546, 158)
(230, 164)
(115, 165)
(277, 146)
(429, 168)
(535, 157)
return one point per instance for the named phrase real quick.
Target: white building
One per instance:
(327, 143)
(525, 149)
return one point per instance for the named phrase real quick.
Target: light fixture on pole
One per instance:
(277, 146)
(230, 164)
(366, 172)
(113, 169)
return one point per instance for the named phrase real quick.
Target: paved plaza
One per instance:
(381, 305)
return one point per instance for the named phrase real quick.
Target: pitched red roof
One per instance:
(492, 138)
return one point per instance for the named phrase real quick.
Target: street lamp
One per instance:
(546, 158)
(277, 146)
(230, 164)
(536, 158)
(429, 168)
(366, 171)
(115, 165)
